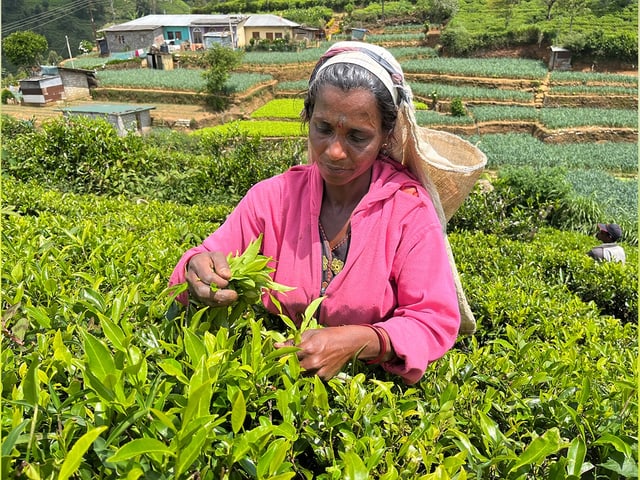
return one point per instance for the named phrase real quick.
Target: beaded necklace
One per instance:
(334, 254)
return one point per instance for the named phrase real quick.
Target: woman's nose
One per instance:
(335, 150)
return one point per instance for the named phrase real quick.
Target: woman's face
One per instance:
(345, 134)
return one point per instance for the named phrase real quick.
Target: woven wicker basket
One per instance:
(454, 170)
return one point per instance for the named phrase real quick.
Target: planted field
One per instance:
(512, 149)
(479, 67)
(179, 79)
(448, 92)
(592, 79)
(499, 113)
(280, 108)
(581, 117)
(263, 128)
(102, 378)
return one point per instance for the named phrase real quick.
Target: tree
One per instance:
(25, 49)
(218, 62)
(441, 11)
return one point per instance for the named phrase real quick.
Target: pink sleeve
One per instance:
(426, 322)
(240, 228)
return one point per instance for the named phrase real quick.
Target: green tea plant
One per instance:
(99, 381)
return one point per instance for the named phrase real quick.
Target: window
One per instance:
(174, 35)
(278, 35)
(269, 35)
(120, 39)
(197, 35)
(256, 35)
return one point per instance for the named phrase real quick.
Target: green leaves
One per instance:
(74, 458)
(101, 379)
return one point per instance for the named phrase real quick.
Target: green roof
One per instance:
(107, 109)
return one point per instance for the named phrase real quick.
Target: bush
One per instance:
(457, 41)
(80, 154)
(6, 96)
(11, 127)
(457, 108)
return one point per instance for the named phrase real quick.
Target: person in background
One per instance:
(354, 225)
(609, 250)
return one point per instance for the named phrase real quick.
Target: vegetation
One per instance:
(219, 61)
(176, 80)
(24, 48)
(103, 377)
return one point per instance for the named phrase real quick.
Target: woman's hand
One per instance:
(324, 351)
(206, 269)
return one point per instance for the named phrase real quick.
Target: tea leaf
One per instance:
(10, 440)
(238, 412)
(74, 457)
(99, 358)
(140, 446)
(540, 448)
(31, 384)
(354, 467)
(575, 456)
(190, 452)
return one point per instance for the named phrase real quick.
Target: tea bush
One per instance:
(104, 377)
(100, 382)
(87, 155)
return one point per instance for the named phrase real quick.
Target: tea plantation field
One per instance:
(104, 377)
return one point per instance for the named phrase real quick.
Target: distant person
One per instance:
(609, 250)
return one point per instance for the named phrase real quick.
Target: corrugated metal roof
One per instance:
(153, 22)
(150, 22)
(130, 28)
(268, 20)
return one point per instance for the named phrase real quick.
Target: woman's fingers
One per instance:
(209, 269)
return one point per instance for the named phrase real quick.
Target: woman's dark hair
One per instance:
(347, 76)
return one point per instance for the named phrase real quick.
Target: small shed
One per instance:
(77, 82)
(560, 59)
(160, 60)
(358, 33)
(41, 90)
(126, 118)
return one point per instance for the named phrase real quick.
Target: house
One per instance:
(42, 89)
(171, 33)
(176, 32)
(266, 27)
(125, 118)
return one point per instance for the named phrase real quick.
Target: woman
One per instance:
(354, 226)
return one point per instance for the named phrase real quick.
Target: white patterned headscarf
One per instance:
(381, 63)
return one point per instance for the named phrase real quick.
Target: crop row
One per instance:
(179, 79)
(517, 149)
(447, 92)
(480, 67)
(557, 118)
(553, 118)
(591, 78)
(592, 90)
